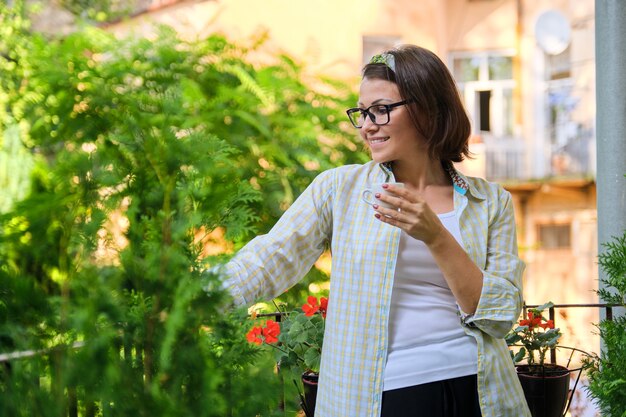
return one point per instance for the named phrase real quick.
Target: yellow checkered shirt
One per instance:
(364, 251)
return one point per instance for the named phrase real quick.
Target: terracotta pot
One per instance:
(309, 381)
(546, 388)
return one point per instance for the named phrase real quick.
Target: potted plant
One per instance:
(297, 340)
(545, 385)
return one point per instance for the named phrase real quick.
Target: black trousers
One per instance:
(456, 397)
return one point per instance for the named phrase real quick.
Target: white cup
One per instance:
(368, 194)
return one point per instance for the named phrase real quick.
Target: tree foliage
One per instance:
(103, 10)
(144, 152)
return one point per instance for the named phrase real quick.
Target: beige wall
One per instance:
(480, 25)
(325, 35)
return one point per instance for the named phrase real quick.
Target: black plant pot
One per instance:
(309, 381)
(546, 388)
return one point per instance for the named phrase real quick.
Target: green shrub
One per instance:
(141, 150)
(607, 374)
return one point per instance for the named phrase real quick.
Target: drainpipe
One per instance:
(610, 29)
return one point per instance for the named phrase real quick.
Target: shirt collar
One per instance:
(459, 181)
(387, 169)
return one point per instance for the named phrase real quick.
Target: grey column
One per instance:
(611, 118)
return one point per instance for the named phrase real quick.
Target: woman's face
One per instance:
(399, 139)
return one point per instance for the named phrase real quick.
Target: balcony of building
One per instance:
(511, 159)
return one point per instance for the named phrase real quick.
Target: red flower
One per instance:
(547, 325)
(253, 335)
(311, 307)
(323, 306)
(267, 334)
(271, 331)
(532, 321)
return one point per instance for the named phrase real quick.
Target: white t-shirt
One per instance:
(426, 340)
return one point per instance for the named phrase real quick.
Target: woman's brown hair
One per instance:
(436, 108)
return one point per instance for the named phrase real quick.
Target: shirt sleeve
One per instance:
(270, 264)
(501, 298)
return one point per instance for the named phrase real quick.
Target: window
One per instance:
(561, 100)
(484, 100)
(500, 67)
(554, 236)
(486, 84)
(466, 69)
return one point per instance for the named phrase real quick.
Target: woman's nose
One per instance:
(368, 123)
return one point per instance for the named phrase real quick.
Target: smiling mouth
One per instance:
(374, 141)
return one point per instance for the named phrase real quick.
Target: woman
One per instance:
(421, 294)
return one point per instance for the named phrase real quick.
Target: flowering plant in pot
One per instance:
(297, 338)
(545, 385)
(536, 335)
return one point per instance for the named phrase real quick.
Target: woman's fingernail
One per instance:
(385, 185)
(377, 215)
(377, 195)
(375, 206)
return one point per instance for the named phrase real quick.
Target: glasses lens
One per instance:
(356, 117)
(381, 114)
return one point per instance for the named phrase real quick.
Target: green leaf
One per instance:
(512, 338)
(519, 355)
(312, 359)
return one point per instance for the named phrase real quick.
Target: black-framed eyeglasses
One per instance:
(378, 113)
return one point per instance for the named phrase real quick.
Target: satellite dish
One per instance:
(553, 32)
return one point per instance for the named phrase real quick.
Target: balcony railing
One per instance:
(575, 157)
(505, 158)
(513, 158)
(72, 397)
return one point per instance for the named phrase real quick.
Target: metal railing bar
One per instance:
(599, 305)
(5, 357)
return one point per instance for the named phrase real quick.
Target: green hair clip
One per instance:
(385, 58)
